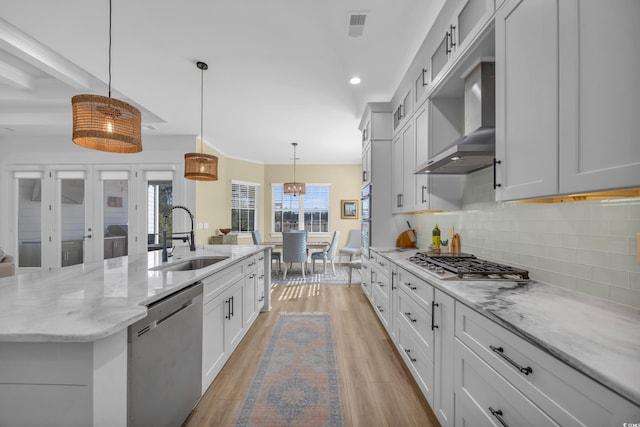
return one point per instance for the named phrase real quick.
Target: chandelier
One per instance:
(294, 188)
(104, 123)
(201, 166)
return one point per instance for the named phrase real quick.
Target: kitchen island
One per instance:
(568, 353)
(63, 333)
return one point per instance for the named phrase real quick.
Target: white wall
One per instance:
(585, 246)
(60, 150)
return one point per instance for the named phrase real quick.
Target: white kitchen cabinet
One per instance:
(467, 21)
(366, 165)
(402, 109)
(402, 179)
(599, 95)
(508, 362)
(443, 346)
(575, 129)
(381, 292)
(527, 99)
(375, 126)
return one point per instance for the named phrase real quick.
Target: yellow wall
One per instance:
(346, 184)
(213, 199)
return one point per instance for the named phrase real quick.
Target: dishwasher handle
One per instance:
(173, 313)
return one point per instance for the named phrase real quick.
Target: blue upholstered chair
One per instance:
(328, 255)
(257, 240)
(294, 249)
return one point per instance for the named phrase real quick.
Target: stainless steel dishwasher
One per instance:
(165, 360)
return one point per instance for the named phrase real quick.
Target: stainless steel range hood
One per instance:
(476, 149)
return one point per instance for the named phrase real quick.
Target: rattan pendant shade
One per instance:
(201, 166)
(294, 188)
(106, 124)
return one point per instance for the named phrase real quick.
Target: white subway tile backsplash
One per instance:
(586, 246)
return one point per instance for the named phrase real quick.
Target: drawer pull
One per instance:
(409, 317)
(498, 414)
(413, 288)
(413, 359)
(433, 320)
(500, 351)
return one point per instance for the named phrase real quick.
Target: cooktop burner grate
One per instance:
(466, 266)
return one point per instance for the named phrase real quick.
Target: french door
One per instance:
(53, 211)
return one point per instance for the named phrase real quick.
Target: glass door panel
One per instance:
(72, 221)
(30, 221)
(159, 203)
(116, 216)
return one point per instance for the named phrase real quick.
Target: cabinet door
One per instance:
(408, 165)
(527, 99)
(421, 189)
(366, 165)
(250, 298)
(397, 175)
(599, 95)
(214, 350)
(444, 336)
(235, 314)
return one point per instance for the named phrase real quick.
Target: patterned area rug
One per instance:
(297, 381)
(294, 277)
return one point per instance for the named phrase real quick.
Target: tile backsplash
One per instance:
(586, 246)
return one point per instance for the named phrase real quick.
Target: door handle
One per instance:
(88, 236)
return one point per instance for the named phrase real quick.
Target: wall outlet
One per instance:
(419, 229)
(638, 247)
(206, 225)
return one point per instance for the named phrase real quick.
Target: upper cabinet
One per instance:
(375, 125)
(566, 101)
(463, 25)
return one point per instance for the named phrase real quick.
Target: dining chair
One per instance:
(275, 256)
(327, 255)
(294, 249)
(353, 245)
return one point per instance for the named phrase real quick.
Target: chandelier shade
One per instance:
(294, 188)
(201, 166)
(106, 124)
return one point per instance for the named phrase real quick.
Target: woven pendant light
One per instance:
(201, 166)
(294, 188)
(104, 123)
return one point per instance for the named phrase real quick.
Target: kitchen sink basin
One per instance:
(190, 264)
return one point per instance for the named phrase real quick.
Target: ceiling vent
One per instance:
(356, 24)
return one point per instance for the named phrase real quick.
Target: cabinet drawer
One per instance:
(418, 358)
(218, 282)
(381, 264)
(381, 305)
(251, 263)
(480, 390)
(566, 395)
(416, 316)
(415, 287)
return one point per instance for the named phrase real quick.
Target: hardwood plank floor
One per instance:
(376, 389)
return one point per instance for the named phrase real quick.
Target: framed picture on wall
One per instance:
(349, 209)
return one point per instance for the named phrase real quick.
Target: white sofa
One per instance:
(7, 264)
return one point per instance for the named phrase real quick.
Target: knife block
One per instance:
(406, 239)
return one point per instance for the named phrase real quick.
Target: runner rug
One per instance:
(297, 380)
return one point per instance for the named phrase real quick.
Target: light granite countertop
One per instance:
(597, 337)
(90, 301)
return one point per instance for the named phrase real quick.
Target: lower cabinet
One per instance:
(231, 302)
(499, 371)
(473, 371)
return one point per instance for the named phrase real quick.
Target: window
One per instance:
(312, 209)
(244, 206)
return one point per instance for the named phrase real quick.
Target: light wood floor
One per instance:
(376, 389)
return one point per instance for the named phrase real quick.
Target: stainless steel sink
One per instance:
(190, 264)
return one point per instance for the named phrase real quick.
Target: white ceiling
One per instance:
(279, 70)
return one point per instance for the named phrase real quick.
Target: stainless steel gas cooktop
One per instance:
(461, 266)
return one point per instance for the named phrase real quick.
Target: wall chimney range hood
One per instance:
(476, 149)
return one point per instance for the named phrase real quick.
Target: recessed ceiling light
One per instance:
(355, 80)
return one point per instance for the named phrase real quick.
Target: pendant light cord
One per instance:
(201, 110)
(110, 8)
